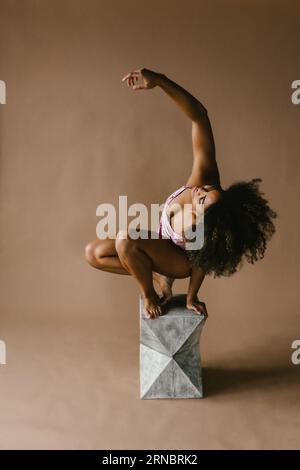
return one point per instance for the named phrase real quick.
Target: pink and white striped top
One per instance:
(165, 229)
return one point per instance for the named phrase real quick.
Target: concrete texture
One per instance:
(169, 352)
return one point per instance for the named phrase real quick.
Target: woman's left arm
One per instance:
(196, 280)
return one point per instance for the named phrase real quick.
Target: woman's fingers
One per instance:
(131, 83)
(131, 79)
(198, 307)
(147, 79)
(193, 307)
(135, 74)
(203, 309)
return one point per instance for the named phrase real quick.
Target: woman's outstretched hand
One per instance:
(197, 306)
(148, 79)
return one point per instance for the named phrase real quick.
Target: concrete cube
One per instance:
(170, 352)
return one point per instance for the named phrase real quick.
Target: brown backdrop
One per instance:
(73, 136)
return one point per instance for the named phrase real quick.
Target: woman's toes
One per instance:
(146, 313)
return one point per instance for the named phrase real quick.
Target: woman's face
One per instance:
(202, 197)
(207, 194)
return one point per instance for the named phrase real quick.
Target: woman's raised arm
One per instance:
(204, 168)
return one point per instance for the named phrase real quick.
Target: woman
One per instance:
(238, 220)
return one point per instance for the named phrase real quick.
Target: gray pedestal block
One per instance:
(170, 352)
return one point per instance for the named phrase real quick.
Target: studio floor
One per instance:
(75, 385)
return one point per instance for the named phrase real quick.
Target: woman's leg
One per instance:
(102, 254)
(143, 256)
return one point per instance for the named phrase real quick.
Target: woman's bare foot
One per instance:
(165, 285)
(152, 308)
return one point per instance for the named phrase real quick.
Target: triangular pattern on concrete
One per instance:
(170, 353)
(172, 335)
(149, 338)
(192, 339)
(188, 360)
(185, 387)
(156, 362)
(172, 383)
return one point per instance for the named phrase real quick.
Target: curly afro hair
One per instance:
(236, 227)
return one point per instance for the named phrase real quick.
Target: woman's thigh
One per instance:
(167, 258)
(105, 247)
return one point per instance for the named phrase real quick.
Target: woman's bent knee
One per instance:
(90, 255)
(97, 251)
(124, 243)
(94, 251)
